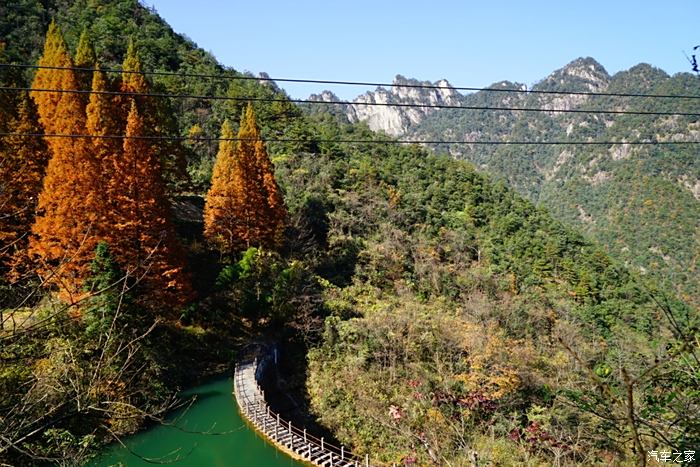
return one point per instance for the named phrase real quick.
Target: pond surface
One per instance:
(229, 441)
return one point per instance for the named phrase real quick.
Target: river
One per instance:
(232, 444)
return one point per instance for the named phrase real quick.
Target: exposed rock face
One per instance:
(581, 75)
(395, 120)
(325, 96)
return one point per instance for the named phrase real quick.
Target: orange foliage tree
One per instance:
(66, 228)
(244, 204)
(55, 55)
(103, 122)
(157, 114)
(22, 167)
(85, 57)
(142, 238)
(102, 188)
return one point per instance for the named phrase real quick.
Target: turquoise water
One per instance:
(215, 411)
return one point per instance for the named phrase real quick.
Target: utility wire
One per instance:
(380, 104)
(358, 141)
(352, 83)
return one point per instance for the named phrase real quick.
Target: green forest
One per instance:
(636, 201)
(442, 318)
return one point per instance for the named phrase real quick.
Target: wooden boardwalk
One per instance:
(285, 436)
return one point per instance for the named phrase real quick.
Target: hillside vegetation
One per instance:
(641, 202)
(444, 318)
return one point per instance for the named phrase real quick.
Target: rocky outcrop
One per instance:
(374, 107)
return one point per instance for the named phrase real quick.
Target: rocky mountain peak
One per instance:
(583, 74)
(395, 121)
(325, 96)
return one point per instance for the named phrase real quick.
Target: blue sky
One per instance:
(469, 43)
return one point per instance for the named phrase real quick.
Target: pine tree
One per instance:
(22, 168)
(66, 228)
(105, 284)
(143, 239)
(244, 204)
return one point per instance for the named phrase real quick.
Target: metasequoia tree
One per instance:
(142, 237)
(103, 122)
(244, 204)
(66, 228)
(22, 165)
(276, 213)
(55, 55)
(157, 115)
(85, 57)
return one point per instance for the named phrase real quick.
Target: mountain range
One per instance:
(642, 202)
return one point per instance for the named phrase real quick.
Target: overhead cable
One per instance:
(241, 77)
(379, 104)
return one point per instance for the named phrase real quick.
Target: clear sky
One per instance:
(469, 43)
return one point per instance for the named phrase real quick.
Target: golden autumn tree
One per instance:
(85, 57)
(66, 228)
(103, 121)
(157, 114)
(22, 165)
(143, 239)
(133, 79)
(55, 56)
(244, 205)
(276, 212)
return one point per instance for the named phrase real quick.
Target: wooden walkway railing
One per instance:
(285, 436)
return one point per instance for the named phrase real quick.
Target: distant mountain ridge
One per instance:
(642, 202)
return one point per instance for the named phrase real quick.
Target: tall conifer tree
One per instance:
(156, 113)
(133, 80)
(103, 120)
(244, 204)
(143, 238)
(66, 228)
(55, 56)
(22, 168)
(275, 219)
(85, 57)
(221, 212)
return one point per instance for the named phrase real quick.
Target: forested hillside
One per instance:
(641, 202)
(443, 318)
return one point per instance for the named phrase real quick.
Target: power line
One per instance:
(355, 83)
(350, 141)
(379, 104)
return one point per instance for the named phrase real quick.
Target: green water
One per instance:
(215, 411)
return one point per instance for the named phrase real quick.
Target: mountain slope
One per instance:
(641, 202)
